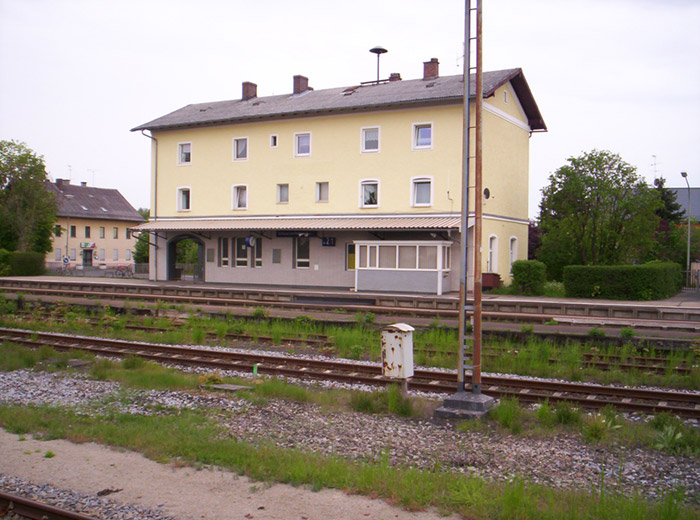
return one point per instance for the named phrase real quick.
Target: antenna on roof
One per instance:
(378, 51)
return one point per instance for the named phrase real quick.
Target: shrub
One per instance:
(651, 281)
(529, 276)
(21, 263)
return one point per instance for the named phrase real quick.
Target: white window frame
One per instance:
(115, 254)
(414, 135)
(296, 144)
(235, 197)
(178, 198)
(279, 193)
(318, 191)
(115, 229)
(180, 162)
(363, 140)
(72, 255)
(301, 263)
(240, 261)
(414, 192)
(492, 255)
(364, 182)
(512, 251)
(276, 139)
(102, 255)
(127, 255)
(247, 149)
(57, 254)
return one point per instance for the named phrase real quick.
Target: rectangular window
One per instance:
(240, 197)
(241, 252)
(57, 254)
(302, 145)
(72, 254)
(407, 257)
(422, 136)
(128, 233)
(370, 140)
(87, 231)
(302, 258)
(422, 192)
(363, 256)
(184, 200)
(446, 257)
(127, 254)
(240, 149)
(427, 257)
(276, 256)
(350, 257)
(282, 193)
(273, 141)
(115, 254)
(102, 255)
(57, 230)
(321, 192)
(184, 153)
(387, 257)
(258, 253)
(223, 252)
(73, 231)
(115, 232)
(369, 193)
(102, 231)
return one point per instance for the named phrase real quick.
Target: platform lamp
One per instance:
(378, 51)
(689, 210)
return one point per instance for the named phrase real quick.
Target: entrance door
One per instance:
(87, 257)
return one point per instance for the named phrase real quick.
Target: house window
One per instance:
(127, 254)
(73, 231)
(302, 250)
(87, 231)
(72, 254)
(370, 140)
(184, 153)
(102, 231)
(321, 192)
(241, 252)
(128, 233)
(257, 253)
(57, 254)
(115, 232)
(421, 191)
(102, 254)
(184, 200)
(240, 149)
(369, 194)
(492, 258)
(273, 141)
(349, 257)
(223, 252)
(115, 254)
(302, 145)
(422, 136)
(240, 197)
(57, 230)
(513, 252)
(282, 193)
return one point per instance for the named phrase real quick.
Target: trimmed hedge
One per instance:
(529, 276)
(14, 263)
(652, 281)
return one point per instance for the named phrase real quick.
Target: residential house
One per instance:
(355, 187)
(93, 227)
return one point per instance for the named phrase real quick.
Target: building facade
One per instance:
(355, 187)
(93, 228)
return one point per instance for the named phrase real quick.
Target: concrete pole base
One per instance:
(465, 405)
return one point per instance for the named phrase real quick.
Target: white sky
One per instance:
(77, 75)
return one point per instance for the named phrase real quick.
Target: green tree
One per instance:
(27, 209)
(596, 211)
(671, 211)
(142, 249)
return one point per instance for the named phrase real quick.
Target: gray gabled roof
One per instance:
(383, 96)
(93, 203)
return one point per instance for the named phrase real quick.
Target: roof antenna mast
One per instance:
(378, 51)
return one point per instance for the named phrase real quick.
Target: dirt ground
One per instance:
(183, 492)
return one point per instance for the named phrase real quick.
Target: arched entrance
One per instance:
(186, 258)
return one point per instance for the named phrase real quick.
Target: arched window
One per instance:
(513, 251)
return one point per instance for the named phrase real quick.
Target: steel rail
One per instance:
(593, 396)
(25, 507)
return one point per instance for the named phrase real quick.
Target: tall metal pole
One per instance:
(690, 212)
(478, 111)
(466, 122)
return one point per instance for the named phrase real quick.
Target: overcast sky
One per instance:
(77, 75)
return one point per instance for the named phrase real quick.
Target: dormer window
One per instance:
(84, 208)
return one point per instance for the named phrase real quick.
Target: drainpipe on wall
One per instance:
(154, 214)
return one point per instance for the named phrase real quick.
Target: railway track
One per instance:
(685, 404)
(27, 508)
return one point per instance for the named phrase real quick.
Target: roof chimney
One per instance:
(83, 184)
(301, 84)
(250, 90)
(394, 76)
(431, 68)
(60, 182)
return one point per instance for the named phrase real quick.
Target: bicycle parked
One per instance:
(123, 271)
(65, 270)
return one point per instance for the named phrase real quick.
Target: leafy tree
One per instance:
(27, 209)
(142, 249)
(671, 232)
(596, 211)
(534, 240)
(671, 211)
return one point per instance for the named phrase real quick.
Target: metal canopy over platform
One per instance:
(330, 222)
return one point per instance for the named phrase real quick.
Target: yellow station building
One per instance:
(355, 187)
